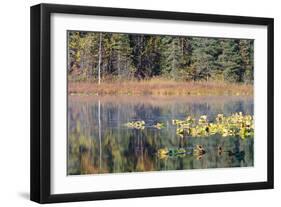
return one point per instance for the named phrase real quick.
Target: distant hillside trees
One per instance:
(136, 56)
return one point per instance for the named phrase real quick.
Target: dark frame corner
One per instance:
(41, 96)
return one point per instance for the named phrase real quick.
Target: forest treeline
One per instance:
(113, 56)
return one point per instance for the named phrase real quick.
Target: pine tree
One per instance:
(74, 51)
(204, 55)
(137, 43)
(170, 56)
(231, 61)
(246, 48)
(151, 59)
(121, 55)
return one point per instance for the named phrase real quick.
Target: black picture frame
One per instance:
(41, 102)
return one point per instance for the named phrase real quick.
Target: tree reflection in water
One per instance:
(98, 142)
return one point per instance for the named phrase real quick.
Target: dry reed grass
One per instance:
(161, 87)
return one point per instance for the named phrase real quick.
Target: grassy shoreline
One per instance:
(160, 88)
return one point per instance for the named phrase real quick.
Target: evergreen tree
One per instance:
(121, 55)
(170, 56)
(152, 55)
(231, 61)
(246, 48)
(205, 52)
(126, 56)
(137, 43)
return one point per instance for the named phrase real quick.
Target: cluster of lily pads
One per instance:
(141, 125)
(235, 125)
(198, 151)
(135, 124)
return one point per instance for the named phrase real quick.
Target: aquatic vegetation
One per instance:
(184, 123)
(136, 124)
(235, 125)
(238, 154)
(164, 153)
(220, 150)
(159, 125)
(198, 151)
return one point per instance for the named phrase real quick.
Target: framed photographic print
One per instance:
(132, 103)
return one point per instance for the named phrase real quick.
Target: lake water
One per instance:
(98, 141)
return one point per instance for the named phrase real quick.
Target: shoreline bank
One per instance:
(160, 88)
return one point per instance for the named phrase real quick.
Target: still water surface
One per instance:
(98, 141)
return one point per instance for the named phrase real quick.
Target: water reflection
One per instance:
(98, 141)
